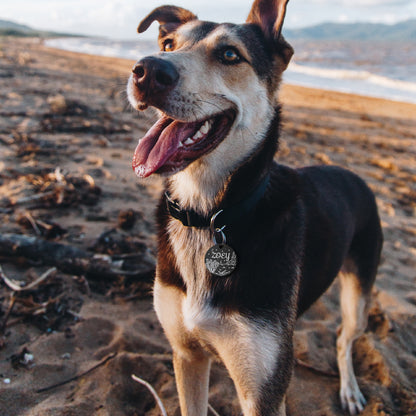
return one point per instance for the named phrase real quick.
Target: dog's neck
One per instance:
(206, 188)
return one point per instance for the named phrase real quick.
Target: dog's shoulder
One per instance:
(285, 187)
(335, 186)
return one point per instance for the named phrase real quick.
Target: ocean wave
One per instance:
(348, 74)
(362, 81)
(127, 49)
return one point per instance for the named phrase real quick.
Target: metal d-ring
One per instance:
(217, 230)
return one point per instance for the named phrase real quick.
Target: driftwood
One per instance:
(73, 260)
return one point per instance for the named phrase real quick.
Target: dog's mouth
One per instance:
(171, 145)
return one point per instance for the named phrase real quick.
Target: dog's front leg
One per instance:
(191, 363)
(192, 377)
(259, 358)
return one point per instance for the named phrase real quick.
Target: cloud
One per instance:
(360, 3)
(119, 18)
(374, 3)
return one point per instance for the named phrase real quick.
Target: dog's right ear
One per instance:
(269, 15)
(172, 15)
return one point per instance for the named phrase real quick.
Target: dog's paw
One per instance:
(352, 400)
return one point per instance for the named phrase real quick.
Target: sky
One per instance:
(118, 19)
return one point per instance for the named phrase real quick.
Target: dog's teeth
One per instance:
(198, 135)
(205, 128)
(180, 144)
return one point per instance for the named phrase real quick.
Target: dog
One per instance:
(245, 245)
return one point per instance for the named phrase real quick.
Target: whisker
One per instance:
(212, 101)
(212, 104)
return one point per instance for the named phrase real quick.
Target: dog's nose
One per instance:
(153, 75)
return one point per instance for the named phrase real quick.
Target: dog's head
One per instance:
(214, 85)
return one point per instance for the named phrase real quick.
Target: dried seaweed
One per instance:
(72, 116)
(127, 219)
(55, 189)
(45, 228)
(45, 304)
(115, 242)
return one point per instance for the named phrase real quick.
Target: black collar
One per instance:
(234, 213)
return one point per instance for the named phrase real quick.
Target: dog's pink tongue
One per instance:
(159, 144)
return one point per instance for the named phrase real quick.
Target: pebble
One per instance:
(28, 358)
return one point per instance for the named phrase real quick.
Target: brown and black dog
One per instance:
(289, 232)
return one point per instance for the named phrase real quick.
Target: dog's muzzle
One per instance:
(153, 79)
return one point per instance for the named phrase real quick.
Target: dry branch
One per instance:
(158, 399)
(17, 286)
(153, 391)
(72, 260)
(78, 376)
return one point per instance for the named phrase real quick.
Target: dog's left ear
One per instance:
(269, 15)
(172, 15)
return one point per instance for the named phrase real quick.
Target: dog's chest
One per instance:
(189, 246)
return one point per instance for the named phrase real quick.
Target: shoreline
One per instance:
(299, 74)
(67, 137)
(284, 84)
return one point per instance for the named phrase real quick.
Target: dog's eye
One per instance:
(230, 56)
(168, 45)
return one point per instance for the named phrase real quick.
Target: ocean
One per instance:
(371, 68)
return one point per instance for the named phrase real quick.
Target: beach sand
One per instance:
(67, 137)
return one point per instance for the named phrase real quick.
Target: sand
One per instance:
(66, 141)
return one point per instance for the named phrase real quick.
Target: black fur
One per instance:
(309, 219)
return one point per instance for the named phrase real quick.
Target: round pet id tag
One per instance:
(221, 260)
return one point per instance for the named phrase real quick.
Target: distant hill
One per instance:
(404, 31)
(9, 28)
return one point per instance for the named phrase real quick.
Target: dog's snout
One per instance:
(154, 76)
